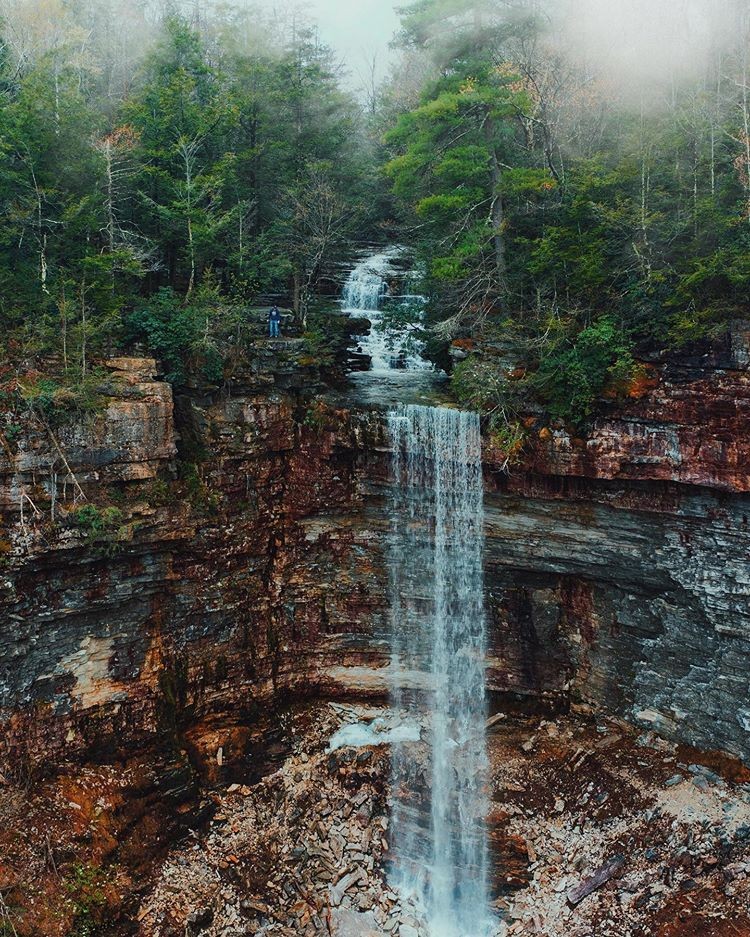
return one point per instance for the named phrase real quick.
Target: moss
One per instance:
(161, 494)
(319, 417)
(198, 492)
(61, 400)
(509, 438)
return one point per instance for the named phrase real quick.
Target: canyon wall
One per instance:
(156, 600)
(629, 551)
(171, 572)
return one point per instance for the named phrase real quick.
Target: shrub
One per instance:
(103, 528)
(576, 372)
(57, 401)
(483, 384)
(198, 492)
(317, 417)
(181, 335)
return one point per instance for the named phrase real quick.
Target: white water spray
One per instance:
(438, 633)
(366, 290)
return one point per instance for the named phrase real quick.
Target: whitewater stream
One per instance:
(367, 289)
(437, 625)
(438, 651)
(377, 287)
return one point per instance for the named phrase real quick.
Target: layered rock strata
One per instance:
(230, 558)
(629, 552)
(149, 598)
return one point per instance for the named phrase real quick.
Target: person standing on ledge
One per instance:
(274, 322)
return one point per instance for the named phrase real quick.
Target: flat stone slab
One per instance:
(345, 923)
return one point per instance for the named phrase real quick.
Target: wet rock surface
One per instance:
(635, 600)
(225, 579)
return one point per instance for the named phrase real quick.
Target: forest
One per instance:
(166, 169)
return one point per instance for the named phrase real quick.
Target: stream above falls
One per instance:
(379, 289)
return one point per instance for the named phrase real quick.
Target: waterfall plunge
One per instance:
(438, 635)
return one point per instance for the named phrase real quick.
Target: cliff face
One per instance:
(686, 422)
(628, 552)
(220, 585)
(250, 571)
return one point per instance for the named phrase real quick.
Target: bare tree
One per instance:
(188, 150)
(368, 77)
(742, 81)
(318, 220)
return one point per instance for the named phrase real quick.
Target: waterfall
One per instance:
(367, 283)
(438, 634)
(367, 290)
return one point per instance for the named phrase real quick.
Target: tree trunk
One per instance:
(84, 327)
(497, 211)
(297, 301)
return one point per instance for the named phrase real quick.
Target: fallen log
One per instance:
(596, 881)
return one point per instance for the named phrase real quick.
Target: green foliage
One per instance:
(126, 191)
(636, 234)
(180, 335)
(575, 373)
(447, 154)
(483, 384)
(318, 417)
(86, 886)
(198, 492)
(326, 339)
(61, 400)
(320, 347)
(103, 528)
(161, 494)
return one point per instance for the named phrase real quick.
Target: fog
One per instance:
(358, 30)
(639, 41)
(631, 41)
(635, 43)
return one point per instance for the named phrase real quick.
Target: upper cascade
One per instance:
(367, 284)
(372, 288)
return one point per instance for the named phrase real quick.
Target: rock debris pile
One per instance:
(301, 853)
(625, 836)
(594, 833)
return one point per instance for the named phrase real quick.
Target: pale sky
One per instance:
(357, 29)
